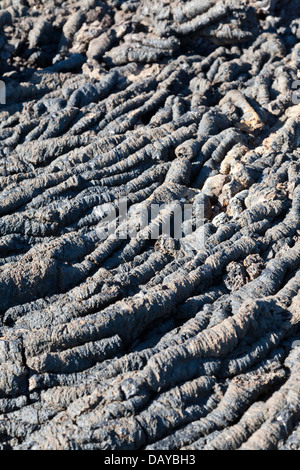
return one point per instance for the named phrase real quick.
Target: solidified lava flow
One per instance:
(135, 342)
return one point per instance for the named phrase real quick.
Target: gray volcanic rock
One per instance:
(150, 342)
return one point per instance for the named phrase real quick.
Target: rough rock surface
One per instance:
(139, 343)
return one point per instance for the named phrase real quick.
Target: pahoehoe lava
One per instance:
(128, 344)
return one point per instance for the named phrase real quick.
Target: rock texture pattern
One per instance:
(139, 343)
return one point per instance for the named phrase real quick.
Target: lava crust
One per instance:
(128, 343)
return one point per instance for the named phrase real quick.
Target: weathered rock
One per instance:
(150, 330)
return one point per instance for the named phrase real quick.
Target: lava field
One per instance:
(141, 342)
